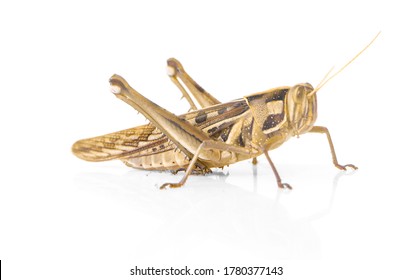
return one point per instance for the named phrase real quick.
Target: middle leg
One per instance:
(280, 184)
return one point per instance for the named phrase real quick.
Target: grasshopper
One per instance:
(213, 136)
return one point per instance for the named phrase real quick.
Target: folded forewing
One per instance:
(132, 142)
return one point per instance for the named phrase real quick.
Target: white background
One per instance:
(62, 218)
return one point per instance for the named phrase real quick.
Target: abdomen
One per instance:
(168, 160)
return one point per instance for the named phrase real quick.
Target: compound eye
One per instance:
(298, 95)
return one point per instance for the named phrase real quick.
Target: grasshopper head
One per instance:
(301, 107)
(301, 101)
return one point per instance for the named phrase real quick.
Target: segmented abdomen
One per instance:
(168, 160)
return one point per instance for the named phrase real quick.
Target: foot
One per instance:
(345, 167)
(284, 186)
(170, 186)
(174, 172)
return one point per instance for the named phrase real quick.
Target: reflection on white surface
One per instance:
(211, 216)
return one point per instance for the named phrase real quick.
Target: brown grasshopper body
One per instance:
(251, 122)
(216, 135)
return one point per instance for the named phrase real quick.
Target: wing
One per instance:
(132, 142)
(146, 140)
(219, 118)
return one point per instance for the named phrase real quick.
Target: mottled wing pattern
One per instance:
(146, 140)
(217, 120)
(121, 144)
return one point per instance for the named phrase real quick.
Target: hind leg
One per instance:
(180, 78)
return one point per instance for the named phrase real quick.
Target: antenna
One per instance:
(325, 80)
